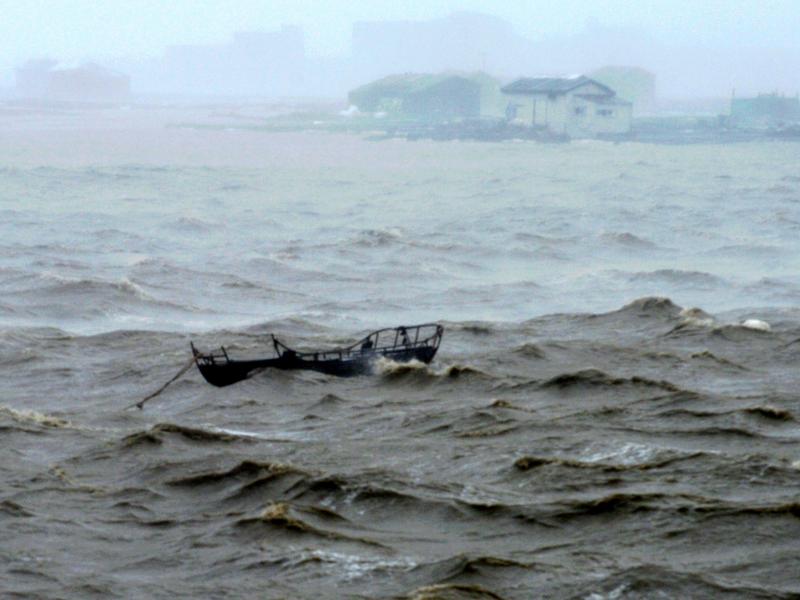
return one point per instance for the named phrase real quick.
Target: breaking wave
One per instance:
(418, 371)
(32, 417)
(157, 434)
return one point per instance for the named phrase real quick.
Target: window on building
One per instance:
(580, 110)
(605, 112)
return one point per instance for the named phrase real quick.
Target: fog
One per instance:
(310, 50)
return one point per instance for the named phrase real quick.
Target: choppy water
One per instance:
(613, 412)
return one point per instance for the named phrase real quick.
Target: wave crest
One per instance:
(155, 435)
(35, 418)
(391, 370)
(598, 378)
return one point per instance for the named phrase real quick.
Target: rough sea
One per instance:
(613, 413)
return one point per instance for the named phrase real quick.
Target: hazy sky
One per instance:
(74, 30)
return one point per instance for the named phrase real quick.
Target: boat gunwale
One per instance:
(356, 352)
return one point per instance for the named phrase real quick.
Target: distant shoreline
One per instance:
(254, 136)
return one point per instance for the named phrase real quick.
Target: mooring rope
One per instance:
(177, 376)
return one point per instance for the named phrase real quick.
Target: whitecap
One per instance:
(697, 317)
(756, 325)
(353, 566)
(32, 416)
(628, 454)
(614, 594)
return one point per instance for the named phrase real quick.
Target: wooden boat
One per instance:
(400, 344)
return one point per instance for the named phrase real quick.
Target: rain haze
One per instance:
(696, 48)
(424, 300)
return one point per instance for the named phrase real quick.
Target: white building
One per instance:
(578, 107)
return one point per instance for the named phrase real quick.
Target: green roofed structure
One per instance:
(421, 97)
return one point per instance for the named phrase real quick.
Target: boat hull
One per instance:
(222, 374)
(399, 344)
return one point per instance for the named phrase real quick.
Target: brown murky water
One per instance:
(569, 441)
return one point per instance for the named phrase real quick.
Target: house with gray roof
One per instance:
(577, 107)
